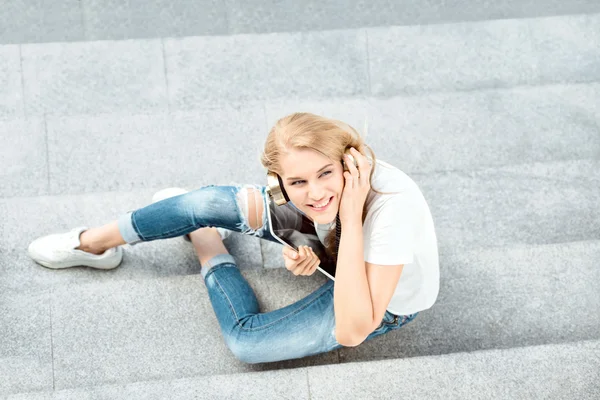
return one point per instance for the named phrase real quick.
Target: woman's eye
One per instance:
(323, 174)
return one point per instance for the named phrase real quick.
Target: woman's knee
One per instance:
(251, 202)
(242, 206)
(206, 196)
(254, 346)
(210, 206)
(245, 352)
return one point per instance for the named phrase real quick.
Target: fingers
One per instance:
(289, 253)
(295, 264)
(306, 262)
(306, 256)
(364, 167)
(350, 163)
(352, 176)
(311, 270)
(312, 263)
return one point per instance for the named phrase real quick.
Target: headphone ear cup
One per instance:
(276, 190)
(285, 195)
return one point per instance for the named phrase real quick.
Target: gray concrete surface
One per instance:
(26, 21)
(548, 372)
(148, 76)
(531, 124)
(497, 121)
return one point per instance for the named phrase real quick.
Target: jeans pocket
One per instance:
(405, 319)
(398, 321)
(387, 321)
(391, 322)
(380, 327)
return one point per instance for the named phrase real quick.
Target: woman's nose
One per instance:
(316, 193)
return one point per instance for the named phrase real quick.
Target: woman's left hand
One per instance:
(356, 187)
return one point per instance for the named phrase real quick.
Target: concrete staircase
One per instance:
(493, 109)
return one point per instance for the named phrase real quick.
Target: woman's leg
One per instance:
(98, 240)
(210, 206)
(304, 328)
(301, 329)
(223, 206)
(207, 244)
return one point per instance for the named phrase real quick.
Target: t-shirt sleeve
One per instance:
(389, 232)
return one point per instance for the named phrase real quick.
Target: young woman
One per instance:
(386, 252)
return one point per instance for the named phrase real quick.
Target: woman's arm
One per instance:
(351, 294)
(362, 291)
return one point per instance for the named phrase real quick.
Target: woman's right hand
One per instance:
(304, 263)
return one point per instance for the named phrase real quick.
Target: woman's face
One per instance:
(310, 179)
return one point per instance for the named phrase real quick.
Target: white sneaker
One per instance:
(58, 251)
(172, 192)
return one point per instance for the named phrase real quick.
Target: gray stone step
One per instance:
(524, 204)
(149, 76)
(419, 134)
(150, 319)
(560, 371)
(91, 130)
(71, 20)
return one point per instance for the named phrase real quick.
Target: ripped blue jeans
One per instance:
(304, 328)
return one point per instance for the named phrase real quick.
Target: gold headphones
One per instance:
(275, 185)
(275, 189)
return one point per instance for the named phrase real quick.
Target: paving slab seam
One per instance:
(22, 81)
(478, 251)
(228, 17)
(52, 339)
(308, 369)
(497, 350)
(83, 284)
(308, 384)
(369, 91)
(520, 85)
(516, 87)
(82, 19)
(470, 172)
(192, 378)
(144, 191)
(164, 60)
(47, 154)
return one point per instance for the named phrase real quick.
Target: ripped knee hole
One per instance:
(253, 207)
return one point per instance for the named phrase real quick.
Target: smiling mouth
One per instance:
(325, 206)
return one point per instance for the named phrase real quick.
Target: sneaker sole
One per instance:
(97, 264)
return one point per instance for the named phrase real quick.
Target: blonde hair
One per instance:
(327, 136)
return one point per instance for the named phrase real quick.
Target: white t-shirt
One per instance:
(398, 229)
